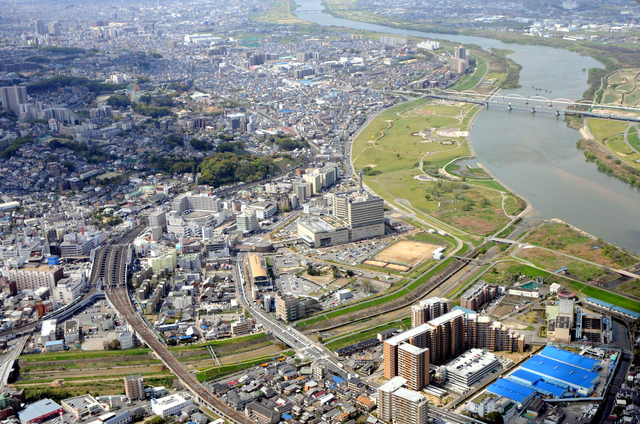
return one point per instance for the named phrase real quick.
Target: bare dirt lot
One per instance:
(407, 252)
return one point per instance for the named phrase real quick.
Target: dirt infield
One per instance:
(407, 252)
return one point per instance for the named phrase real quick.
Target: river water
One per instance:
(535, 154)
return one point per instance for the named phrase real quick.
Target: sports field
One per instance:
(407, 252)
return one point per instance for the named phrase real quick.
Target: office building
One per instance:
(263, 210)
(400, 405)
(362, 213)
(428, 309)
(39, 27)
(289, 308)
(54, 28)
(413, 365)
(13, 97)
(247, 221)
(471, 367)
(170, 405)
(478, 294)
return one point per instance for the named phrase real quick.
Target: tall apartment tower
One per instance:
(133, 387)
(401, 405)
(13, 97)
(428, 309)
(461, 53)
(413, 366)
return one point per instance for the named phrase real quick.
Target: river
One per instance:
(535, 154)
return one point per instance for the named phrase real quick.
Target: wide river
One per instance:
(536, 154)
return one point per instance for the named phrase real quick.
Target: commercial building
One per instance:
(289, 308)
(258, 268)
(170, 405)
(428, 309)
(554, 371)
(263, 210)
(39, 411)
(71, 332)
(319, 232)
(400, 405)
(471, 367)
(190, 202)
(34, 276)
(81, 406)
(247, 221)
(477, 295)
(134, 387)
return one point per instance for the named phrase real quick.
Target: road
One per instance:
(9, 358)
(288, 334)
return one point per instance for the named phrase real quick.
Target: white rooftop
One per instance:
(409, 395)
(392, 385)
(412, 349)
(471, 362)
(446, 317)
(403, 337)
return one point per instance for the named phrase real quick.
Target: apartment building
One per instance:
(289, 308)
(400, 405)
(133, 387)
(413, 365)
(428, 309)
(448, 336)
(479, 294)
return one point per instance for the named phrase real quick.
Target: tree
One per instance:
(494, 418)
(116, 344)
(320, 339)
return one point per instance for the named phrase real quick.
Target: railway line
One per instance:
(111, 262)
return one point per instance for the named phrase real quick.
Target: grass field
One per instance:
(554, 261)
(605, 128)
(469, 82)
(612, 298)
(634, 140)
(562, 238)
(631, 287)
(361, 335)
(505, 272)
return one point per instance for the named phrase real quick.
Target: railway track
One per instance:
(120, 300)
(110, 267)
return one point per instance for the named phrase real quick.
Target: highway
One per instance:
(288, 334)
(7, 360)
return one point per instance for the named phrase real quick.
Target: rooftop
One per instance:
(392, 385)
(409, 395)
(414, 350)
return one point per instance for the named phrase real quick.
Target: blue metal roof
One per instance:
(54, 343)
(571, 358)
(337, 379)
(599, 302)
(511, 390)
(465, 310)
(626, 311)
(537, 383)
(553, 370)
